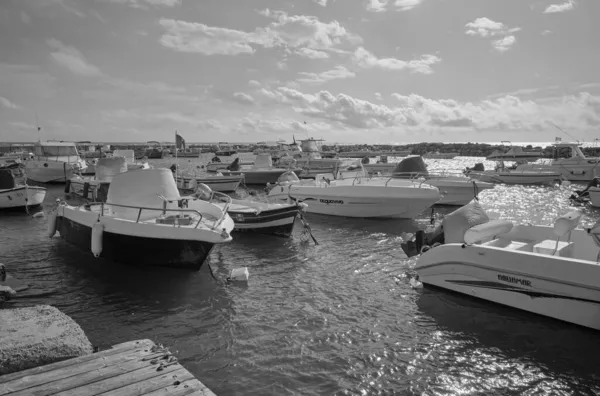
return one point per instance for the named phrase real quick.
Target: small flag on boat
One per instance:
(557, 139)
(179, 141)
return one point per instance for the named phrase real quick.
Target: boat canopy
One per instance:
(7, 179)
(410, 167)
(148, 188)
(287, 177)
(55, 149)
(128, 154)
(108, 168)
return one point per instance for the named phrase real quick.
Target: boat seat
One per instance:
(489, 229)
(563, 226)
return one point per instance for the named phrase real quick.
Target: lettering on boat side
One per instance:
(512, 279)
(331, 201)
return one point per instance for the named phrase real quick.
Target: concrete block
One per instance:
(34, 336)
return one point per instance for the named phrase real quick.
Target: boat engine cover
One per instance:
(456, 224)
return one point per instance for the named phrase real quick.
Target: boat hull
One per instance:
(517, 177)
(259, 177)
(363, 201)
(50, 171)
(216, 183)
(552, 286)
(278, 222)
(218, 166)
(580, 170)
(137, 250)
(458, 192)
(19, 197)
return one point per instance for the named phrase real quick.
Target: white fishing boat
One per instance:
(503, 174)
(548, 270)
(129, 155)
(308, 156)
(54, 162)
(18, 196)
(569, 161)
(515, 153)
(142, 223)
(261, 173)
(357, 196)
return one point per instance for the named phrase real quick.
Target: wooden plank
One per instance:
(98, 371)
(131, 345)
(144, 387)
(102, 367)
(184, 388)
(127, 383)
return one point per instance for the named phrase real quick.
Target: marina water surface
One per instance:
(338, 318)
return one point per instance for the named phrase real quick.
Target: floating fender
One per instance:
(97, 231)
(86, 190)
(68, 186)
(52, 224)
(239, 274)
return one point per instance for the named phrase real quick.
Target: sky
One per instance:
(362, 71)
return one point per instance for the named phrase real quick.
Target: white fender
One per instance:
(97, 231)
(52, 223)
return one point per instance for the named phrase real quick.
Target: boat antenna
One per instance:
(563, 131)
(39, 128)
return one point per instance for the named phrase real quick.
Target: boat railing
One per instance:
(140, 209)
(218, 197)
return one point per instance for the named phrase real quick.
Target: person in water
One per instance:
(6, 292)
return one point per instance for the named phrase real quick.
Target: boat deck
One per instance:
(132, 368)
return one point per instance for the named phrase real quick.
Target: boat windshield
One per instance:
(288, 177)
(55, 151)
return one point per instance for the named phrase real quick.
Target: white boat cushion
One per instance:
(566, 223)
(456, 224)
(483, 231)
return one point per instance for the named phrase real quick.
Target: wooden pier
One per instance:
(132, 368)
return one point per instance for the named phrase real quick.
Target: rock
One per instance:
(39, 335)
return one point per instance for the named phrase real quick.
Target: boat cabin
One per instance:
(567, 150)
(55, 151)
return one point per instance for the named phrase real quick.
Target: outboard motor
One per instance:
(410, 167)
(235, 165)
(477, 168)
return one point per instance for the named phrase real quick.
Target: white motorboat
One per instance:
(515, 153)
(216, 182)
(129, 155)
(308, 156)
(357, 196)
(261, 173)
(569, 161)
(548, 270)
(142, 223)
(54, 162)
(455, 188)
(18, 196)
(514, 175)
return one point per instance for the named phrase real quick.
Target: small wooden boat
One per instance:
(218, 183)
(18, 196)
(258, 217)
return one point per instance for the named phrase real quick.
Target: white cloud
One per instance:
(339, 72)
(554, 8)
(485, 27)
(311, 53)
(367, 60)
(253, 83)
(506, 113)
(378, 96)
(7, 103)
(504, 43)
(376, 5)
(145, 3)
(322, 3)
(405, 5)
(546, 32)
(305, 34)
(72, 59)
(243, 98)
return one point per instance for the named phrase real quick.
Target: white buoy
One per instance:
(52, 224)
(239, 274)
(97, 231)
